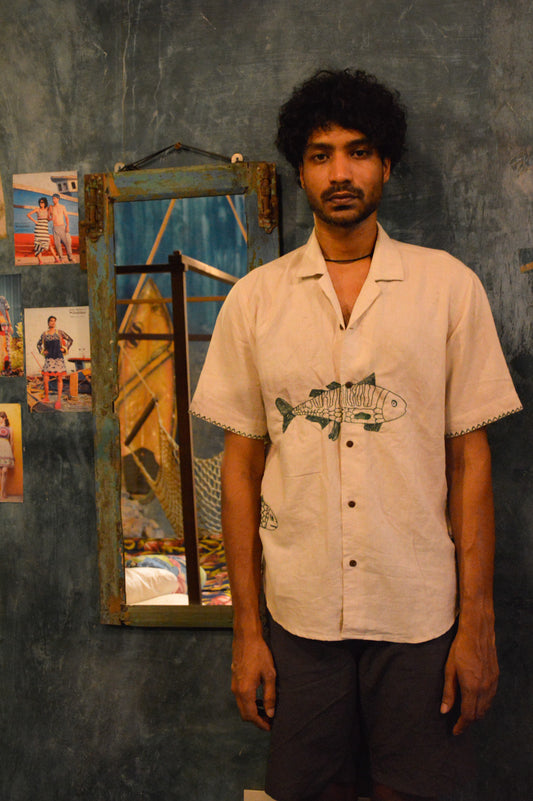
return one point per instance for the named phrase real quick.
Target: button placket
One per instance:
(349, 444)
(349, 504)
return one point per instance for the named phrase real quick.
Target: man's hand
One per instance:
(472, 666)
(242, 471)
(253, 666)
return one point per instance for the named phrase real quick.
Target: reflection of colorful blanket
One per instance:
(213, 560)
(169, 554)
(136, 545)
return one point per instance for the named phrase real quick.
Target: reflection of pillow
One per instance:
(148, 582)
(173, 564)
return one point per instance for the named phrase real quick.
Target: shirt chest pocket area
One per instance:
(300, 450)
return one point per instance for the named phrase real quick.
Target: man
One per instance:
(60, 227)
(371, 367)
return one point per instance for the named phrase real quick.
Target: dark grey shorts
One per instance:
(353, 709)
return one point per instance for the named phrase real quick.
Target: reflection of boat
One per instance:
(146, 380)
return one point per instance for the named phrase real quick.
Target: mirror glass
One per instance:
(162, 249)
(212, 231)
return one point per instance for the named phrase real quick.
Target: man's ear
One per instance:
(386, 170)
(301, 176)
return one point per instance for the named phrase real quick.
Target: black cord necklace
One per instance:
(348, 261)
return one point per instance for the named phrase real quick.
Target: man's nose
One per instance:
(340, 168)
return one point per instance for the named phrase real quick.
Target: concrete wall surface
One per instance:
(96, 713)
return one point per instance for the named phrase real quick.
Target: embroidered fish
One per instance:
(361, 402)
(269, 521)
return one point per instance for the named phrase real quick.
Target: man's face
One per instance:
(343, 176)
(56, 200)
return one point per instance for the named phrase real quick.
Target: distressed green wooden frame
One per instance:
(257, 182)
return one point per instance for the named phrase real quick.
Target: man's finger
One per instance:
(468, 712)
(449, 691)
(269, 698)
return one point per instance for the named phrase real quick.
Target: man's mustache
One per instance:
(344, 189)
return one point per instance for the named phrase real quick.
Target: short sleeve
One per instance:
(229, 392)
(479, 388)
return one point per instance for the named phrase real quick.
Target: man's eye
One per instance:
(361, 152)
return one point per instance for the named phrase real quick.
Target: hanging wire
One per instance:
(140, 163)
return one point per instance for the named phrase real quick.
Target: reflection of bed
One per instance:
(168, 555)
(147, 585)
(174, 599)
(148, 548)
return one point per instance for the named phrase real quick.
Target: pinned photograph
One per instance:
(11, 474)
(58, 359)
(45, 216)
(11, 328)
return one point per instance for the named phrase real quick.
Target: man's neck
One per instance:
(343, 244)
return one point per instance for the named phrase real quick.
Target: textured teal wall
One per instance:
(94, 713)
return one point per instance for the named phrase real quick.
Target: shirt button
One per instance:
(351, 504)
(349, 444)
(353, 563)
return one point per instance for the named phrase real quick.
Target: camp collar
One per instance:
(386, 260)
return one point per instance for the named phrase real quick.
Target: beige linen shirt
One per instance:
(353, 524)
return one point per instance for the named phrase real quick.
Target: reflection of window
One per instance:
(165, 265)
(66, 185)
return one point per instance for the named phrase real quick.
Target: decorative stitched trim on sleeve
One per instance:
(229, 428)
(483, 424)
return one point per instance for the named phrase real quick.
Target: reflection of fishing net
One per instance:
(166, 485)
(164, 479)
(208, 494)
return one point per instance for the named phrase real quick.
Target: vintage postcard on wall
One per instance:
(58, 359)
(11, 474)
(45, 217)
(11, 328)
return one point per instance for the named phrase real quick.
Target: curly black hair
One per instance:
(353, 100)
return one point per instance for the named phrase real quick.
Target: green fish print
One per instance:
(269, 521)
(358, 402)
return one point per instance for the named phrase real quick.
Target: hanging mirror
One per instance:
(163, 248)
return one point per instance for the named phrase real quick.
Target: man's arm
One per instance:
(472, 663)
(242, 470)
